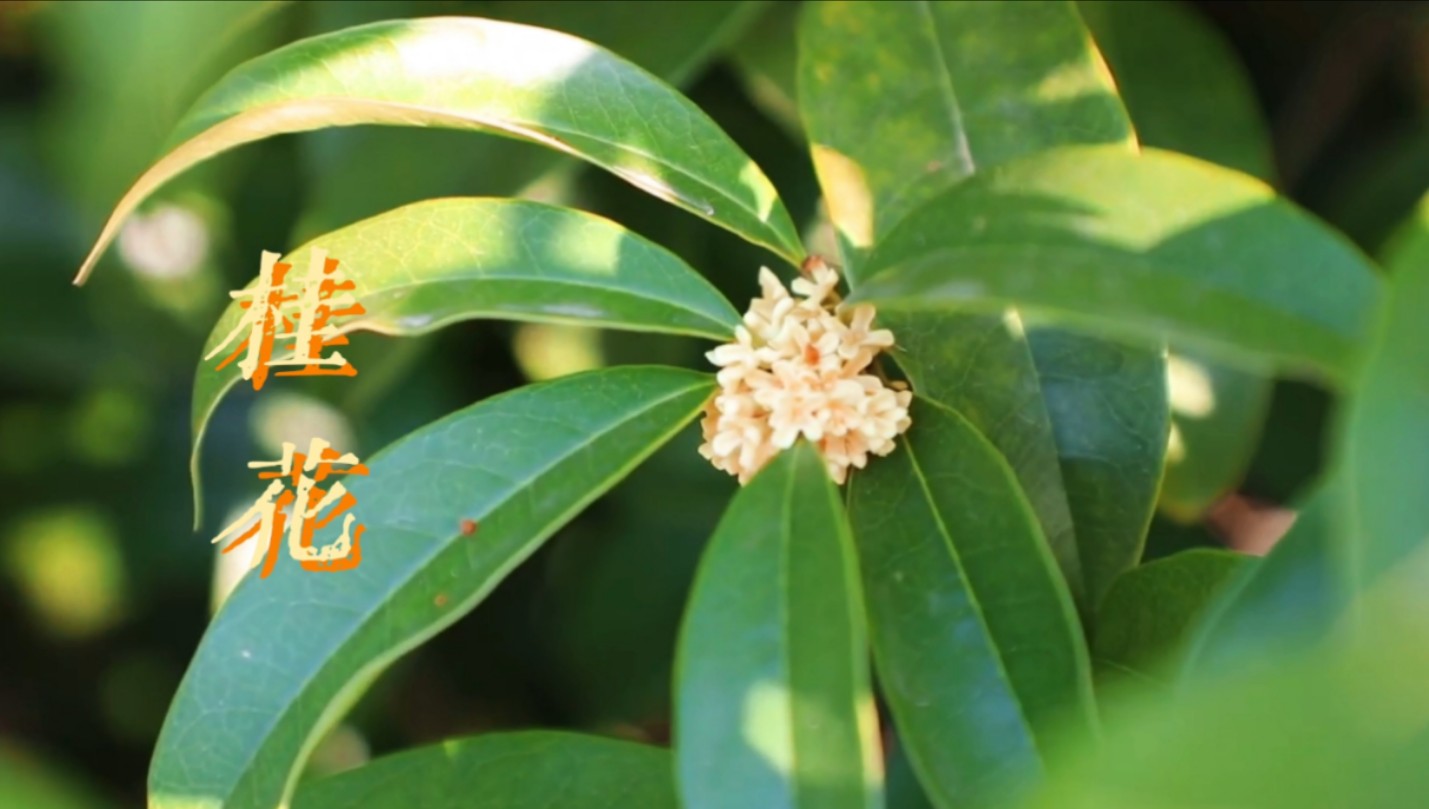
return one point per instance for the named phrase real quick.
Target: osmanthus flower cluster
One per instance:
(796, 367)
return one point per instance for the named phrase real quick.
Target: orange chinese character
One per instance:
(305, 471)
(305, 317)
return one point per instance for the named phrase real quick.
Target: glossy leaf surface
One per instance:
(505, 771)
(362, 171)
(431, 264)
(976, 640)
(449, 511)
(1142, 247)
(989, 82)
(1144, 621)
(468, 73)
(903, 100)
(1182, 82)
(773, 707)
(1186, 92)
(1107, 406)
(1217, 416)
(940, 353)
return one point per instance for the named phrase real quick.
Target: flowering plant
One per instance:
(796, 368)
(946, 470)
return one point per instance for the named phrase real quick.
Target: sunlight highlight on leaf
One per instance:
(922, 96)
(1192, 394)
(469, 73)
(430, 264)
(846, 193)
(766, 726)
(1142, 248)
(773, 706)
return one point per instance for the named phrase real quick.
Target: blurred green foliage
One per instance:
(107, 587)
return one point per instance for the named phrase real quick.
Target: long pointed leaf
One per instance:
(363, 171)
(1108, 409)
(972, 85)
(1148, 617)
(974, 634)
(1144, 247)
(449, 510)
(429, 264)
(1287, 599)
(505, 771)
(1175, 72)
(773, 707)
(1386, 431)
(467, 73)
(903, 100)
(943, 355)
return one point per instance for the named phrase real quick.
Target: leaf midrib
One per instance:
(367, 324)
(422, 562)
(513, 126)
(636, 295)
(962, 152)
(375, 326)
(976, 599)
(960, 131)
(1139, 264)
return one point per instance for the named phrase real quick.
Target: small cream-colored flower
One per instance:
(795, 368)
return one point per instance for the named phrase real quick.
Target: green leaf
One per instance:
(904, 791)
(1344, 725)
(430, 264)
(984, 83)
(366, 170)
(1143, 622)
(626, 589)
(288, 654)
(940, 353)
(1107, 406)
(1175, 72)
(1409, 245)
(505, 771)
(1143, 247)
(974, 634)
(1098, 406)
(773, 706)
(1386, 432)
(466, 73)
(1286, 600)
(903, 100)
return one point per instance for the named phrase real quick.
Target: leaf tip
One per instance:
(84, 272)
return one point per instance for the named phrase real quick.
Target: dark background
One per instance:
(105, 588)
